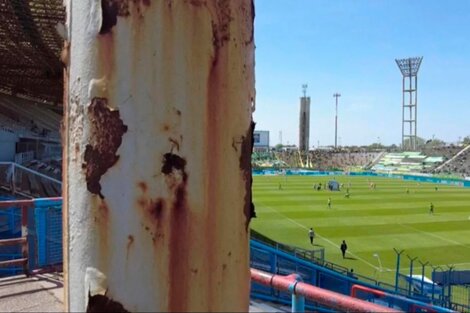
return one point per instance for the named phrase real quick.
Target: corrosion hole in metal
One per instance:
(172, 162)
(107, 130)
(245, 166)
(109, 11)
(101, 303)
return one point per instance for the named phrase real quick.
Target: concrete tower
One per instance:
(304, 122)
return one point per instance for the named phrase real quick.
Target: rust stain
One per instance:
(130, 241)
(175, 143)
(221, 27)
(156, 208)
(100, 212)
(245, 166)
(153, 211)
(198, 3)
(102, 303)
(143, 186)
(174, 167)
(107, 130)
(252, 14)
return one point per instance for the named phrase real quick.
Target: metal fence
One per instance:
(30, 235)
(269, 259)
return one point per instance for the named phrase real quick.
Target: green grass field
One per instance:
(371, 221)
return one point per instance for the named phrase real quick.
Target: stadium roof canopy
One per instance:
(30, 49)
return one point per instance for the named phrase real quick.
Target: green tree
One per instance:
(466, 140)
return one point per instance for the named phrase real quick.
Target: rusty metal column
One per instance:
(157, 193)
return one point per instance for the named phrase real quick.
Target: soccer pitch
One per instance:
(372, 221)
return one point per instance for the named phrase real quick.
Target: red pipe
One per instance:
(16, 203)
(324, 297)
(356, 288)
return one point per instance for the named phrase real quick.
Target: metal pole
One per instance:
(449, 286)
(336, 124)
(298, 303)
(411, 274)
(336, 95)
(155, 93)
(397, 272)
(433, 284)
(422, 276)
(416, 108)
(403, 116)
(25, 234)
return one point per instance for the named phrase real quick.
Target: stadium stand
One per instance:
(28, 119)
(317, 159)
(459, 164)
(406, 162)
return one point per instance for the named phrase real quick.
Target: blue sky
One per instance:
(350, 47)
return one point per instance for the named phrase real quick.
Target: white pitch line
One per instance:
(434, 235)
(327, 240)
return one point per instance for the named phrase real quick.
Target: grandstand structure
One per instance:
(406, 162)
(30, 48)
(452, 161)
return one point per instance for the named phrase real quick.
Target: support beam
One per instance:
(158, 140)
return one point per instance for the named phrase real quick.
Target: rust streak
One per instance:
(174, 167)
(130, 241)
(143, 186)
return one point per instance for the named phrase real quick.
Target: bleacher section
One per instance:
(28, 119)
(316, 159)
(266, 159)
(17, 180)
(459, 164)
(407, 162)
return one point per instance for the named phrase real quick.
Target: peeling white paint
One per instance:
(95, 282)
(95, 18)
(98, 87)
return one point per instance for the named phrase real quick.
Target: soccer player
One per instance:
(329, 203)
(431, 208)
(311, 235)
(343, 248)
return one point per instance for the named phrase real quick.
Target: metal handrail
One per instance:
(300, 290)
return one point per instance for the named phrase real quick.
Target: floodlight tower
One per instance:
(336, 95)
(409, 68)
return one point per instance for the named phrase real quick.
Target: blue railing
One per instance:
(269, 259)
(42, 230)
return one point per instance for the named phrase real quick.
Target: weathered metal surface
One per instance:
(157, 173)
